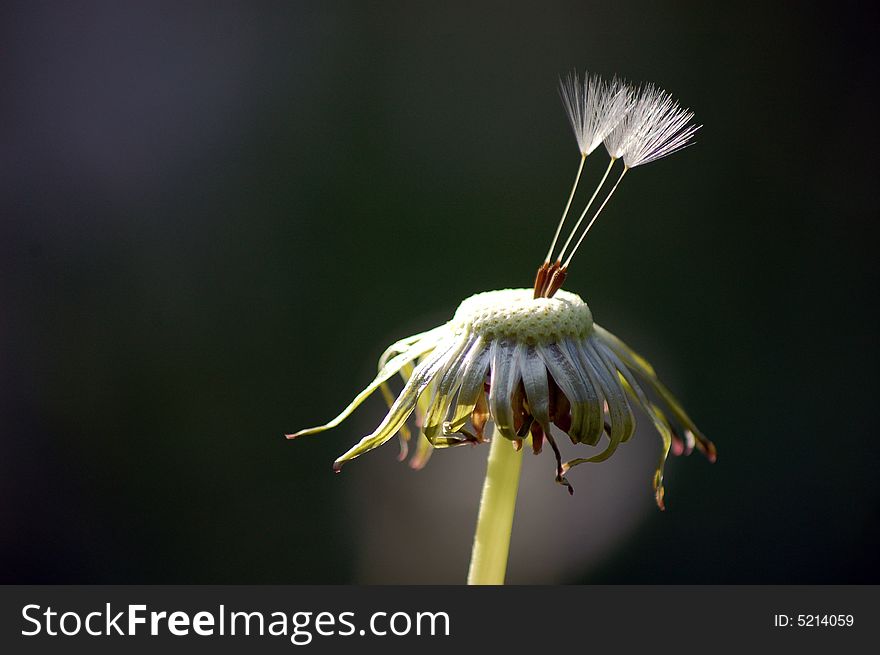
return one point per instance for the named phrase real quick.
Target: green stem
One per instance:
(495, 520)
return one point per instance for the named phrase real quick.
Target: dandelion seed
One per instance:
(656, 126)
(594, 107)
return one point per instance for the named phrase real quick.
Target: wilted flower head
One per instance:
(525, 363)
(532, 360)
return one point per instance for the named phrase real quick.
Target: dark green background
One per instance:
(215, 217)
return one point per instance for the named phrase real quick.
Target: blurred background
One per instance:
(215, 216)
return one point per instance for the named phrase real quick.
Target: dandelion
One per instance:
(532, 361)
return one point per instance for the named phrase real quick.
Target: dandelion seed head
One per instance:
(516, 313)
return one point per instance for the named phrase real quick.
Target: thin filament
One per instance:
(586, 209)
(595, 216)
(567, 205)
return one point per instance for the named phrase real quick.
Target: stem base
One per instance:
(495, 519)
